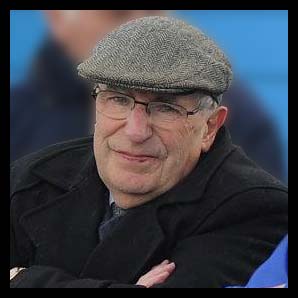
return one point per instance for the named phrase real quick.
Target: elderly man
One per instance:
(160, 197)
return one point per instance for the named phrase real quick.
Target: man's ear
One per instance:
(214, 123)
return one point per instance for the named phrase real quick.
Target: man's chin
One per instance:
(133, 189)
(131, 180)
(134, 184)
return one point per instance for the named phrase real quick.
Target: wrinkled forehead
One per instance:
(151, 95)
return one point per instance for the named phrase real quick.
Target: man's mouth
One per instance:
(135, 157)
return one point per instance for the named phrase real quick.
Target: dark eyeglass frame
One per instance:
(96, 91)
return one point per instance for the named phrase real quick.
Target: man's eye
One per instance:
(120, 100)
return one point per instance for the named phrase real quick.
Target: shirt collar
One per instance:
(111, 199)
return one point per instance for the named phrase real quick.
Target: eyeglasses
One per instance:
(118, 106)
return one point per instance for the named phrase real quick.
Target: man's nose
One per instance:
(138, 128)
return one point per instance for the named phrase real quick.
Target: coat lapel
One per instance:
(193, 187)
(64, 230)
(129, 250)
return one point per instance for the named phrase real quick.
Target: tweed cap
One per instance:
(160, 54)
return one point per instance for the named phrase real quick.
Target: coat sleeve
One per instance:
(232, 242)
(49, 277)
(22, 254)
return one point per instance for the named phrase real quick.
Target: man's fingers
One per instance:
(161, 268)
(156, 279)
(158, 274)
(15, 271)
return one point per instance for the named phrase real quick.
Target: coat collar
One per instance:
(130, 250)
(64, 230)
(76, 166)
(194, 185)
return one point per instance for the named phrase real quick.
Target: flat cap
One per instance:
(161, 54)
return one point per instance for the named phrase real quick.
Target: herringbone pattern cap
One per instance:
(159, 54)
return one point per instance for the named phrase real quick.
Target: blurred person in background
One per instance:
(52, 104)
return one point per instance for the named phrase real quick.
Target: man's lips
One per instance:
(135, 157)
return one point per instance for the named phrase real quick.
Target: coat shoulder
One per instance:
(238, 173)
(238, 178)
(60, 156)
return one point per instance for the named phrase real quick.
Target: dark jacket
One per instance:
(218, 225)
(53, 105)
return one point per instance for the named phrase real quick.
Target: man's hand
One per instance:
(15, 271)
(158, 274)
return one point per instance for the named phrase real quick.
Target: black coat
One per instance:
(218, 225)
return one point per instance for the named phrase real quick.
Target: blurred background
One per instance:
(49, 104)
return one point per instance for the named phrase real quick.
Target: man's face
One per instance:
(140, 158)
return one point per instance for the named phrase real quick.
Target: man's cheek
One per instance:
(104, 127)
